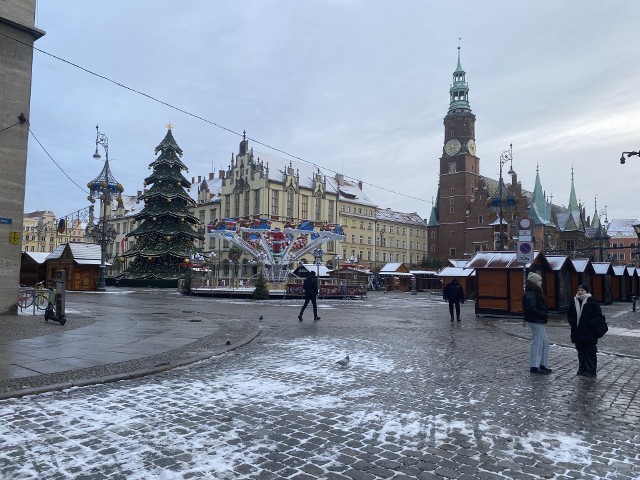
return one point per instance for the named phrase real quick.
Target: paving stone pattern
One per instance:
(420, 399)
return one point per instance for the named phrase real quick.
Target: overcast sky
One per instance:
(354, 86)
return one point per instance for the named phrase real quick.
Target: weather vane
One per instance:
(169, 125)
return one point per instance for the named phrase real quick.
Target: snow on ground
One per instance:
(122, 426)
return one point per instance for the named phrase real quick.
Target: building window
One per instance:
(451, 190)
(227, 206)
(369, 227)
(256, 201)
(433, 234)
(452, 167)
(290, 195)
(353, 239)
(247, 202)
(274, 202)
(480, 219)
(332, 206)
(361, 240)
(305, 207)
(236, 204)
(368, 240)
(451, 201)
(361, 225)
(571, 245)
(452, 252)
(318, 206)
(451, 210)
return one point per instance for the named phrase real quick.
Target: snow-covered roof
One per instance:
(83, 253)
(622, 227)
(457, 263)
(456, 272)
(423, 272)
(601, 268)
(396, 274)
(390, 267)
(619, 270)
(319, 270)
(393, 216)
(38, 257)
(580, 264)
(497, 260)
(556, 261)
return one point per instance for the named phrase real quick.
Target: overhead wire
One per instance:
(210, 122)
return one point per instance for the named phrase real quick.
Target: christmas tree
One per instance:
(167, 230)
(261, 292)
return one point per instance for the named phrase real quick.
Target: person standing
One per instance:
(583, 313)
(454, 294)
(310, 287)
(534, 307)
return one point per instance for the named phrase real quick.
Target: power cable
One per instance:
(181, 110)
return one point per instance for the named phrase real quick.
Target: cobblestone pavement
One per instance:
(420, 399)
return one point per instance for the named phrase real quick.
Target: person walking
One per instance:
(534, 307)
(584, 312)
(454, 294)
(310, 287)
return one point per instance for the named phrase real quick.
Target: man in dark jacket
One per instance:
(310, 287)
(534, 307)
(454, 294)
(583, 313)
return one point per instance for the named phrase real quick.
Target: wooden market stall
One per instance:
(396, 277)
(81, 263)
(620, 283)
(500, 281)
(466, 277)
(601, 284)
(584, 273)
(32, 268)
(558, 282)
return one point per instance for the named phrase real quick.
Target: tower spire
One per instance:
(459, 91)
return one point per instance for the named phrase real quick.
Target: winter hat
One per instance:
(534, 277)
(584, 286)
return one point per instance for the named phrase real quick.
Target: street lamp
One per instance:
(628, 154)
(504, 198)
(317, 259)
(637, 230)
(103, 187)
(337, 258)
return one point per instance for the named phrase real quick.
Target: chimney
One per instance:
(360, 184)
(193, 180)
(211, 175)
(139, 193)
(221, 173)
(199, 178)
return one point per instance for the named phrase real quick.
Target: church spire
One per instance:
(459, 90)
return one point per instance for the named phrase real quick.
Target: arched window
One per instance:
(318, 206)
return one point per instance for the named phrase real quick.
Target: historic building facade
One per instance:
(475, 213)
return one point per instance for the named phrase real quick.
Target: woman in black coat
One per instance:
(584, 312)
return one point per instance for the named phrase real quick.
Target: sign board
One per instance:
(524, 224)
(7, 221)
(524, 233)
(14, 238)
(525, 252)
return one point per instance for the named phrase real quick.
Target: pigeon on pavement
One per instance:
(344, 362)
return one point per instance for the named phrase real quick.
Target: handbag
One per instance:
(600, 327)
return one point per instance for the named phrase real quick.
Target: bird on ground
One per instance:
(228, 342)
(344, 362)
(260, 318)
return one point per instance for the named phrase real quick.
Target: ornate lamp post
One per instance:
(317, 259)
(504, 197)
(628, 154)
(103, 187)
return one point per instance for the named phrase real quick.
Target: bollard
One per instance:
(633, 299)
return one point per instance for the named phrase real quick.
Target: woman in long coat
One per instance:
(534, 307)
(584, 312)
